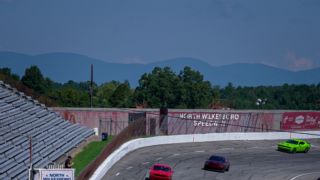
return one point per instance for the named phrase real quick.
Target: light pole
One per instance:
(260, 102)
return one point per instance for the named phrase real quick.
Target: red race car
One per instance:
(160, 172)
(217, 163)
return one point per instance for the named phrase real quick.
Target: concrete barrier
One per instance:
(158, 140)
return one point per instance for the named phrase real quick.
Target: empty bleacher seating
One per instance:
(22, 119)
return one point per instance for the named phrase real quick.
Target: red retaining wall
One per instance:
(106, 120)
(189, 121)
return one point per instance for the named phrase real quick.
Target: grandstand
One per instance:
(21, 117)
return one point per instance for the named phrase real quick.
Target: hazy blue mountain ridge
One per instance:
(62, 67)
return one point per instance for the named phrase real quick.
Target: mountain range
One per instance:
(62, 67)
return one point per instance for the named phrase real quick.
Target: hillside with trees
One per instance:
(162, 87)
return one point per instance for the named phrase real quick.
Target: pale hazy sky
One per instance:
(281, 33)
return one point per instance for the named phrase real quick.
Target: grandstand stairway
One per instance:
(22, 118)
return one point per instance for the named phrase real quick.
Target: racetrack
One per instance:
(255, 160)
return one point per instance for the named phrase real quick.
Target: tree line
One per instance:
(162, 87)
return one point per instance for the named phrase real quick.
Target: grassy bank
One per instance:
(88, 154)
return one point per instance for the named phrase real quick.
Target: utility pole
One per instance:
(91, 86)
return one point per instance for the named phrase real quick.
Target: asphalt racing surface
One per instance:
(249, 160)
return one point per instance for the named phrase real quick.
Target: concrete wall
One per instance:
(194, 121)
(112, 121)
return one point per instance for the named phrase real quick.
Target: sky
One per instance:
(279, 33)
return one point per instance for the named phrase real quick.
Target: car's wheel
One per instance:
(306, 150)
(294, 150)
(228, 168)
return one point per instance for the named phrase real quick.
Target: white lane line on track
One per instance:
(118, 174)
(130, 167)
(177, 154)
(254, 147)
(158, 158)
(314, 146)
(200, 151)
(300, 175)
(145, 163)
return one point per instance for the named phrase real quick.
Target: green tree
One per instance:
(104, 92)
(194, 91)
(33, 79)
(158, 88)
(7, 72)
(163, 88)
(122, 96)
(69, 96)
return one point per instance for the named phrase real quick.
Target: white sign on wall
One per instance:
(56, 174)
(210, 116)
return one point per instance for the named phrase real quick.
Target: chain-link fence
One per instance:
(111, 127)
